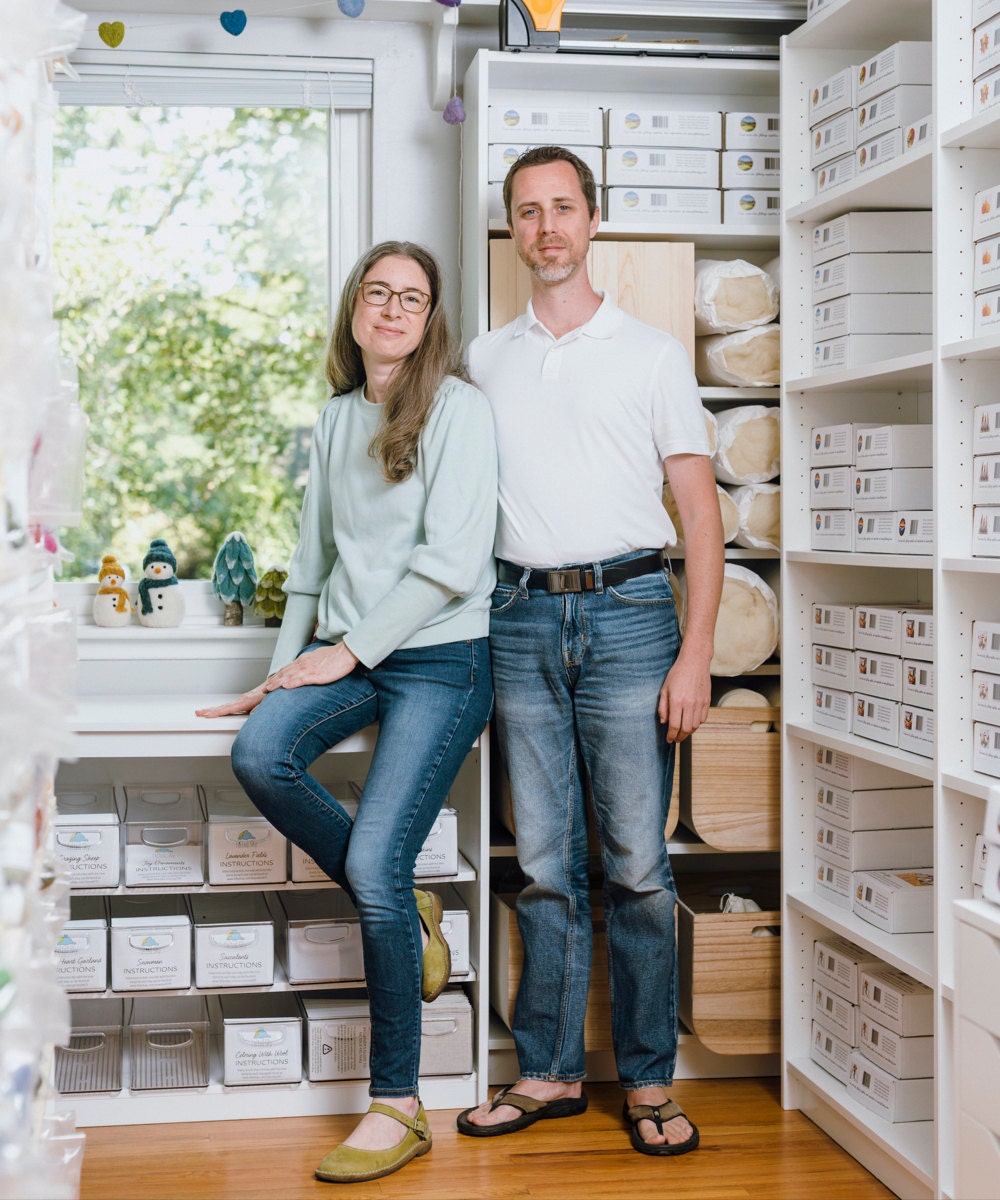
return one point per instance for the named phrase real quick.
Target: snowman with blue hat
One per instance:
(161, 603)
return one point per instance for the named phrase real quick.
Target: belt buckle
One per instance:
(559, 582)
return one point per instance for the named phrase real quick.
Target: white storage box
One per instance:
(982, 10)
(859, 349)
(991, 877)
(163, 835)
(916, 730)
(833, 624)
(168, 1042)
(876, 719)
(986, 479)
(918, 683)
(261, 1039)
(833, 667)
(986, 92)
(878, 674)
(986, 274)
(874, 849)
(902, 1057)
(909, 531)
(319, 936)
(501, 156)
(831, 487)
(91, 1061)
(892, 1099)
(750, 204)
(879, 150)
(751, 168)
(832, 139)
(986, 748)
(446, 1035)
(150, 943)
(986, 697)
(243, 846)
(666, 205)
(894, 109)
(986, 530)
(87, 841)
(833, 884)
(893, 488)
(831, 1052)
(651, 126)
(880, 273)
(233, 941)
(894, 629)
(918, 633)
(836, 1014)
(834, 445)
(986, 312)
(873, 233)
(986, 429)
(986, 47)
(896, 1001)
(986, 212)
(874, 808)
(661, 167)
(900, 63)
(896, 901)
(540, 122)
(831, 529)
(833, 95)
(81, 949)
(439, 853)
(834, 173)
(846, 770)
(986, 646)
(832, 709)
(455, 927)
(751, 131)
(837, 965)
(917, 134)
(870, 313)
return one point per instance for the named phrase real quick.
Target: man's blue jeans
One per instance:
(577, 679)
(431, 704)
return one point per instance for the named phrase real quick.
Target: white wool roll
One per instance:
(749, 444)
(746, 698)
(727, 510)
(746, 632)
(749, 358)
(732, 294)
(759, 508)
(711, 428)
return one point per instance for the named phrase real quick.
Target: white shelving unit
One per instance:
(941, 386)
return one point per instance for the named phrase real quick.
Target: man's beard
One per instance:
(555, 273)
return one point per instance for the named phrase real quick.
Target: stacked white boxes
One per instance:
(871, 288)
(836, 1025)
(750, 170)
(832, 129)
(986, 697)
(986, 480)
(985, 55)
(891, 1070)
(986, 270)
(893, 99)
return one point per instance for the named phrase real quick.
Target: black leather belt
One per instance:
(580, 578)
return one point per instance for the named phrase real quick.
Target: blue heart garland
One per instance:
(233, 22)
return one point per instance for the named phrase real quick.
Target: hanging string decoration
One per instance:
(111, 33)
(233, 22)
(454, 110)
(351, 8)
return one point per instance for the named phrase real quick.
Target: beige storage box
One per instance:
(261, 1039)
(730, 963)
(243, 846)
(168, 1043)
(87, 837)
(731, 780)
(319, 935)
(163, 835)
(81, 949)
(233, 941)
(92, 1059)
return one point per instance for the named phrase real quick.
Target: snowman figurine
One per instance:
(161, 604)
(112, 607)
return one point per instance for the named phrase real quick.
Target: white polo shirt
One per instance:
(583, 425)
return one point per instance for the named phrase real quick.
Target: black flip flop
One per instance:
(532, 1110)
(657, 1113)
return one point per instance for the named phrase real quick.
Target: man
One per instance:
(592, 684)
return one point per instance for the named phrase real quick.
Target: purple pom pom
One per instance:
(351, 8)
(454, 111)
(450, 3)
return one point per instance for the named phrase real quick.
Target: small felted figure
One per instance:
(161, 602)
(269, 600)
(234, 577)
(112, 606)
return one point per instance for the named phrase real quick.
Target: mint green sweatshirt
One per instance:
(386, 566)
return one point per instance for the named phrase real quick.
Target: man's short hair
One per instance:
(539, 156)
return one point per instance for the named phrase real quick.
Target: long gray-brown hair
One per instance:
(415, 382)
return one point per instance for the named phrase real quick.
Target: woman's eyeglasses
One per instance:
(378, 295)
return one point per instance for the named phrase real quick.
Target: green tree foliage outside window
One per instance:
(191, 249)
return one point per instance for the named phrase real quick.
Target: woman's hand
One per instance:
(238, 707)
(326, 664)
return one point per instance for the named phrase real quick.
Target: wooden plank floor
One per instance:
(750, 1148)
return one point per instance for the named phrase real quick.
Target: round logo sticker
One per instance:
(819, 521)
(630, 158)
(630, 199)
(748, 124)
(816, 479)
(747, 202)
(632, 120)
(511, 117)
(861, 524)
(902, 526)
(818, 441)
(745, 162)
(857, 485)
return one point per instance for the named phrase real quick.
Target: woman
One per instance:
(394, 570)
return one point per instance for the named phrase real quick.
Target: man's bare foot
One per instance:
(538, 1089)
(675, 1131)
(375, 1131)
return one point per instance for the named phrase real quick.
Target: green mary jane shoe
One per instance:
(347, 1164)
(437, 955)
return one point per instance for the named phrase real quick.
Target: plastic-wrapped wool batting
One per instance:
(747, 628)
(733, 294)
(748, 358)
(759, 508)
(727, 510)
(748, 449)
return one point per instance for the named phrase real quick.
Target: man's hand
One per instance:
(684, 698)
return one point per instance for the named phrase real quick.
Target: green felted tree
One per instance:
(234, 577)
(269, 601)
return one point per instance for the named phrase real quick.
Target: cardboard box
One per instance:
(857, 774)
(837, 965)
(832, 709)
(918, 683)
(832, 139)
(986, 212)
(831, 529)
(881, 273)
(986, 748)
(753, 204)
(833, 884)
(899, 531)
(900, 63)
(883, 446)
(150, 943)
(833, 95)
(986, 646)
(899, 1003)
(902, 1057)
(87, 837)
(501, 156)
(986, 274)
(751, 131)
(896, 901)
(893, 488)
(982, 10)
(986, 92)
(872, 313)
(892, 1099)
(894, 109)
(986, 530)
(654, 126)
(233, 941)
(261, 1039)
(164, 828)
(918, 134)
(833, 667)
(986, 312)
(833, 624)
(751, 168)
(878, 674)
(874, 849)
(538, 121)
(318, 937)
(986, 697)
(831, 487)
(873, 233)
(859, 349)
(81, 949)
(986, 479)
(835, 1013)
(916, 730)
(666, 205)
(834, 173)
(243, 846)
(894, 629)
(879, 150)
(986, 47)
(831, 1052)
(875, 719)
(834, 445)
(168, 1042)
(874, 808)
(661, 167)
(918, 633)
(986, 429)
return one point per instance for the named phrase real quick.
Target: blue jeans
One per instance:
(431, 704)
(577, 680)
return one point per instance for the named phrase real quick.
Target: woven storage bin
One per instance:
(731, 780)
(730, 977)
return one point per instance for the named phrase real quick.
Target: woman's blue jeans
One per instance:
(577, 680)
(431, 703)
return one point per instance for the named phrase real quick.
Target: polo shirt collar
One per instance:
(601, 325)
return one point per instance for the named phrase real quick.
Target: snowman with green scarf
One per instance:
(161, 603)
